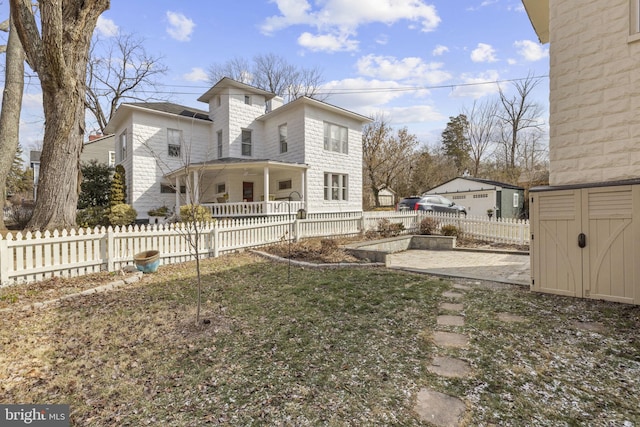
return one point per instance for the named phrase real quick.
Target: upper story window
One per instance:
(112, 158)
(247, 99)
(174, 142)
(218, 101)
(335, 138)
(123, 145)
(282, 131)
(219, 136)
(246, 142)
(336, 186)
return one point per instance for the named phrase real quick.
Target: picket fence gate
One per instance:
(29, 257)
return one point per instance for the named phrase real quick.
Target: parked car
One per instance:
(435, 203)
(408, 203)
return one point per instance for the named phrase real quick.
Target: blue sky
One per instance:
(416, 61)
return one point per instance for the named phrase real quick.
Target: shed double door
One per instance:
(586, 243)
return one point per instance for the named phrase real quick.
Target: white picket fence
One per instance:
(29, 257)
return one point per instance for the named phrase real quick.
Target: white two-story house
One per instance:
(248, 154)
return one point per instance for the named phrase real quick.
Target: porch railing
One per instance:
(240, 209)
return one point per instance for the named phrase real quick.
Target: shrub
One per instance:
(122, 214)
(450, 230)
(428, 226)
(118, 193)
(161, 211)
(93, 216)
(197, 213)
(388, 229)
(19, 216)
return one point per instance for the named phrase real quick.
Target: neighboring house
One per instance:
(586, 224)
(100, 148)
(386, 197)
(480, 195)
(248, 154)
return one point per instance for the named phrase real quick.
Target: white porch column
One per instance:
(303, 188)
(177, 208)
(196, 188)
(265, 176)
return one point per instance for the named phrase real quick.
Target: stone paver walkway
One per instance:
(437, 408)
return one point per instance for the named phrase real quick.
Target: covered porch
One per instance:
(242, 188)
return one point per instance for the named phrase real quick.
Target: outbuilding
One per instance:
(483, 197)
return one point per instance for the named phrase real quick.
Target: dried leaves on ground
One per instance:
(319, 347)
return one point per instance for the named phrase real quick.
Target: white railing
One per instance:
(247, 209)
(29, 257)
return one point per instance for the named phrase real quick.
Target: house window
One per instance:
(112, 158)
(459, 197)
(123, 145)
(480, 196)
(247, 99)
(221, 188)
(282, 130)
(174, 139)
(219, 144)
(335, 138)
(285, 185)
(218, 101)
(516, 198)
(246, 142)
(336, 186)
(170, 189)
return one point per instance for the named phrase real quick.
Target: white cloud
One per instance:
(106, 27)
(484, 53)
(411, 69)
(477, 86)
(197, 74)
(337, 18)
(327, 43)
(414, 114)
(531, 51)
(180, 27)
(362, 95)
(439, 50)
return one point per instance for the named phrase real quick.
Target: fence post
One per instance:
(4, 261)
(296, 226)
(110, 252)
(215, 241)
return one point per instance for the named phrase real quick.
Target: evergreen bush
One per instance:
(122, 214)
(194, 213)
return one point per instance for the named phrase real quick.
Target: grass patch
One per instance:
(328, 347)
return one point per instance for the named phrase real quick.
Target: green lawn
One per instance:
(327, 347)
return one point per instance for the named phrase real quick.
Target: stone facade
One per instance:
(594, 91)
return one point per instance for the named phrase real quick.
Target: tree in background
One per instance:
(482, 132)
(430, 168)
(455, 142)
(125, 72)
(272, 73)
(518, 115)
(11, 105)
(385, 156)
(20, 180)
(118, 192)
(57, 48)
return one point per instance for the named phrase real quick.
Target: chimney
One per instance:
(94, 135)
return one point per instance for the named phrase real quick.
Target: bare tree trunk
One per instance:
(58, 51)
(10, 114)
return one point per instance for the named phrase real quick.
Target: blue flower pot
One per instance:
(147, 261)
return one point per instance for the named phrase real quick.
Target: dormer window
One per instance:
(247, 99)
